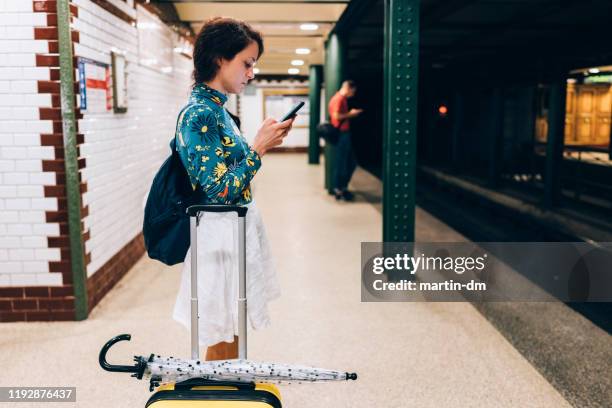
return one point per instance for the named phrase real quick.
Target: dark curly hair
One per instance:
(221, 37)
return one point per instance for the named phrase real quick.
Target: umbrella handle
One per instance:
(137, 369)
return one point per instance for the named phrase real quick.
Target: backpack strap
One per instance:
(181, 113)
(198, 194)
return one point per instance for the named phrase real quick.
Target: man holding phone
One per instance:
(340, 117)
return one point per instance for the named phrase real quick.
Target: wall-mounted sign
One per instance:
(119, 82)
(94, 86)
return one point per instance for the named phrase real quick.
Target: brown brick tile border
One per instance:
(36, 303)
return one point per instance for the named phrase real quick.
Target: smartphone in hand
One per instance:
(293, 111)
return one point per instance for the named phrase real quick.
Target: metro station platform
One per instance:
(406, 354)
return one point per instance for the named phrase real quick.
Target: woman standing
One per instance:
(219, 161)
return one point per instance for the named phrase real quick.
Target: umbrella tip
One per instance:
(351, 376)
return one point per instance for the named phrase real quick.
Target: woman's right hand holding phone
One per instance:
(271, 134)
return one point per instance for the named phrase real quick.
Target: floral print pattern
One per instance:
(215, 154)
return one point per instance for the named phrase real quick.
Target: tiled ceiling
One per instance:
(278, 21)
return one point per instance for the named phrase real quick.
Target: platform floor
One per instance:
(406, 354)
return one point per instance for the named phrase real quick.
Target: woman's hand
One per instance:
(271, 134)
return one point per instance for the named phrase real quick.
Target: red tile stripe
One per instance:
(36, 303)
(96, 83)
(50, 34)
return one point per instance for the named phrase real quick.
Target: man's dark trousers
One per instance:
(345, 161)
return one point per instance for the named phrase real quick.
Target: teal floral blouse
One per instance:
(212, 149)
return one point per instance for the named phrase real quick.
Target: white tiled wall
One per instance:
(124, 150)
(15, 6)
(24, 255)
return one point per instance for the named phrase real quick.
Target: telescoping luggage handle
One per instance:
(194, 211)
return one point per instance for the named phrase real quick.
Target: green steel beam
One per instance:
(401, 62)
(335, 59)
(314, 81)
(554, 143)
(73, 195)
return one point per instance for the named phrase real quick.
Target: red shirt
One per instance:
(339, 104)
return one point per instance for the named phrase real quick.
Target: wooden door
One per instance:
(585, 114)
(593, 114)
(570, 115)
(603, 113)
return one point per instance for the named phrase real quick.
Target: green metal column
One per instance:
(401, 62)
(314, 81)
(554, 143)
(73, 195)
(334, 75)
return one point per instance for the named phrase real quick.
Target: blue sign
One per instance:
(82, 90)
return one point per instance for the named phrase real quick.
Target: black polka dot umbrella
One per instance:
(161, 370)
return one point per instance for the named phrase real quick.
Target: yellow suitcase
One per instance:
(198, 393)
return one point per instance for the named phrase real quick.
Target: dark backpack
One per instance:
(166, 223)
(328, 132)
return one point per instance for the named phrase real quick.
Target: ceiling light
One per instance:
(293, 71)
(302, 51)
(309, 27)
(594, 70)
(297, 63)
(256, 70)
